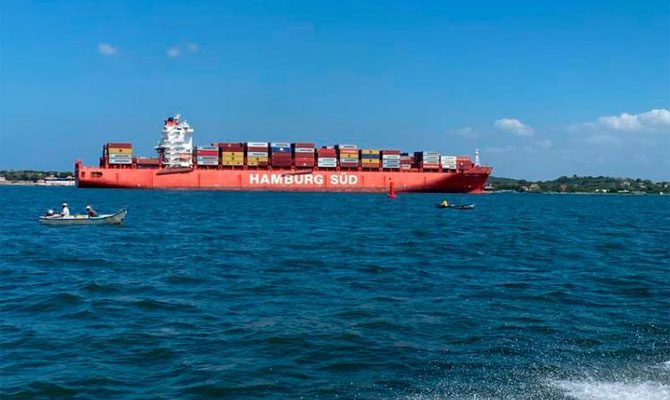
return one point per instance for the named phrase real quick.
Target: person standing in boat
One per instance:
(91, 212)
(65, 212)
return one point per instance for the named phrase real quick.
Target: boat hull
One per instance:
(470, 181)
(110, 219)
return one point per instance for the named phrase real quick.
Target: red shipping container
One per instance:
(259, 149)
(391, 152)
(214, 153)
(303, 145)
(120, 145)
(231, 146)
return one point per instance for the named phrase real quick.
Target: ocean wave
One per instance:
(603, 390)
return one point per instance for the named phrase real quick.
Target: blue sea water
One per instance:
(323, 296)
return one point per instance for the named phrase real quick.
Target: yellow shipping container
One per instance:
(232, 163)
(119, 150)
(370, 151)
(370, 161)
(349, 156)
(233, 154)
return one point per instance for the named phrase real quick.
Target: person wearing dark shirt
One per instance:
(91, 212)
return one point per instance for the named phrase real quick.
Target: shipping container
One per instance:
(119, 150)
(302, 145)
(346, 146)
(257, 144)
(120, 145)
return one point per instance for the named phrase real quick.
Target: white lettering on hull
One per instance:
(303, 179)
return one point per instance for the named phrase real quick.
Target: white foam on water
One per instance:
(594, 390)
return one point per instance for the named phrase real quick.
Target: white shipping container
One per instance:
(304, 150)
(280, 144)
(257, 153)
(391, 157)
(120, 161)
(347, 146)
(257, 144)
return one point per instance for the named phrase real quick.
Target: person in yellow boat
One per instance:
(444, 203)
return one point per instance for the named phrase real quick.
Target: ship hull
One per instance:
(470, 181)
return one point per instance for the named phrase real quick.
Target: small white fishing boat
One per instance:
(103, 219)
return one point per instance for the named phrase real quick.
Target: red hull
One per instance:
(470, 181)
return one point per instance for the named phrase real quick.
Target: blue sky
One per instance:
(542, 88)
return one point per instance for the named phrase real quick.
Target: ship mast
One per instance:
(176, 145)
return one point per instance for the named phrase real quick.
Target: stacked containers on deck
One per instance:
(463, 162)
(391, 159)
(118, 153)
(280, 154)
(207, 156)
(370, 158)
(348, 154)
(257, 154)
(143, 162)
(303, 154)
(232, 154)
(427, 159)
(327, 157)
(448, 162)
(405, 161)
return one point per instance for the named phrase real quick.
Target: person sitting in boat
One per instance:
(65, 212)
(91, 212)
(444, 203)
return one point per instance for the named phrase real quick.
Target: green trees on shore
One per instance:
(581, 184)
(32, 175)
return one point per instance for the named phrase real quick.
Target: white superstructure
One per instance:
(176, 145)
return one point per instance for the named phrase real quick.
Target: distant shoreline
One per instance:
(45, 183)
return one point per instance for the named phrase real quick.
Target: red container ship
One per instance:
(279, 167)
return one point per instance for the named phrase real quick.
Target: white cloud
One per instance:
(183, 49)
(545, 144)
(193, 47)
(504, 149)
(107, 49)
(650, 121)
(514, 126)
(173, 52)
(467, 132)
(603, 139)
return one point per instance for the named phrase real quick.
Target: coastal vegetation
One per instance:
(32, 175)
(580, 184)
